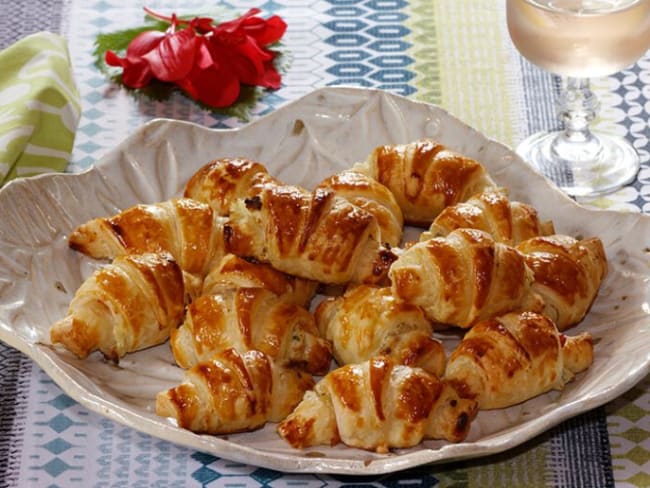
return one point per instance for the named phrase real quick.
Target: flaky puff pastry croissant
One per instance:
(233, 392)
(127, 305)
(368, 321)
(506, 221)
(370, 195)
(464, 277)
(378, 405)
(567, 274)
(250, 318)
(425, 177)
(235, 272)
(314, 235)
(506, 360)
(222, 181)
(185, 228)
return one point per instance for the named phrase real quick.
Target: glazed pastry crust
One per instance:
(506, 360)
(373, 197)
(425, 177)
(463, 278)
(127, 305)
(185, 228)
(233, 392)
(314, 235)
(507, 221)
(567, 274)
(235, 272)
(222, 181)
(368, 321)
(378, 405)
(247, 319)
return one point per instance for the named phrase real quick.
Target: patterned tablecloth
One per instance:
(455, 53)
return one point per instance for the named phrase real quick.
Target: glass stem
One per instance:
(577, 108)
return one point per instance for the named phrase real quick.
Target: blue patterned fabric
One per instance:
(353, 42)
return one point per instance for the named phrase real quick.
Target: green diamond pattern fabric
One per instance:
(39, 107)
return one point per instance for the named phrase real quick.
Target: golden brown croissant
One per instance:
(370, 195)
(378, 405)
(567, 273)
(222, 181)
(185, 228)
(315, 235)
(368, 321)
(235, 272)
(250, 318)
(124, 306)
(506, 221)
(233, 392)
(463, 278)
(509, 359)
(425, 177)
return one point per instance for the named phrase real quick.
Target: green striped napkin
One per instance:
(39, 107)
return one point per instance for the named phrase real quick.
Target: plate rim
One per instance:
(42, 354)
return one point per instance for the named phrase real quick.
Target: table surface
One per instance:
(453, 53)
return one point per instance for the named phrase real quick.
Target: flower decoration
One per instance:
(210, 62)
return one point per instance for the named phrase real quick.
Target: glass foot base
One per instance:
(583, 174)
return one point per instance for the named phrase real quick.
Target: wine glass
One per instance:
(578, 39)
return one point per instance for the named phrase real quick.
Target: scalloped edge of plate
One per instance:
(296, 461)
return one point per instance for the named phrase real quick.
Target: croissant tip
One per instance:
(297, 432)
(80, 238)
(164, 405)
(64, 332)
(60, 328)
(75, 243)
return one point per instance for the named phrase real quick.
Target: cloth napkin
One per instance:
(39, 106)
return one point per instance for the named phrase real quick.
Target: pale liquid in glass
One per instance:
(580, 38)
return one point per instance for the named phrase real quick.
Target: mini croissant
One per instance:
(127, 305)
(235, 272)
(222, 181)
(509, 359)
(507, 221)
(425, 177)
(187, 229)
(250, 318)
(314, 235)
(464, 277)
(378, 405)
(368, 321)
(233, 392)
(370, 195)
(567, 274)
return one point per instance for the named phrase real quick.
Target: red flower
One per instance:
(211, 81)
(263, 31)
(136, 72)
(207, 61)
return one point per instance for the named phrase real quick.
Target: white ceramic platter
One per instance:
(303, 142)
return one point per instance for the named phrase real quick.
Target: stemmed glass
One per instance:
(579, 39)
